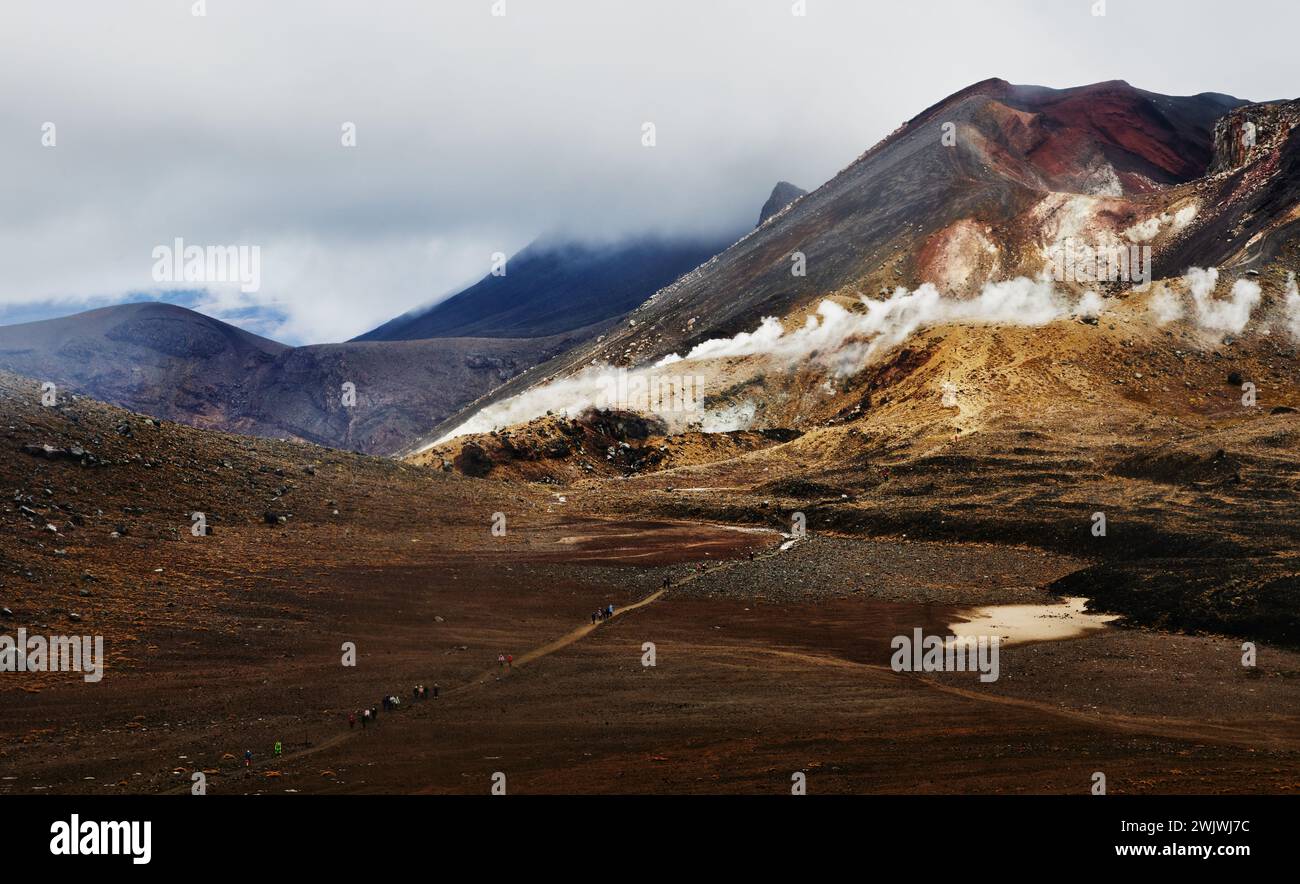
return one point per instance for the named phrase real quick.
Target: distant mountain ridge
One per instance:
(554, 286)
(173, 363)
(410, 373)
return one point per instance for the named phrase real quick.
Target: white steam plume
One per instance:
(1222, 316)
(1292, 306)
(566, 396)
(1145, 231)
(841, 340)
(1090, 306)
(845, 341)
(1167, 306)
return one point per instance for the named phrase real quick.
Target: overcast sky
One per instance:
(475, 133)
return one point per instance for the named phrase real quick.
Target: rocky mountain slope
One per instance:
(936, 381)
(980, 187)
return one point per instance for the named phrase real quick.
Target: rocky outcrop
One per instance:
(782, 195)
(1244, 134)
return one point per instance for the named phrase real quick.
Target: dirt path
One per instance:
(1257, 735)
(491, 674)
(587, 628)
(1270, 735)
(582, 631)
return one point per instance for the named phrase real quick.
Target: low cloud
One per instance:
(476, 133)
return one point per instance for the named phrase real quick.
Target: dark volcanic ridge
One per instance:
(553, 287)
(179, 365)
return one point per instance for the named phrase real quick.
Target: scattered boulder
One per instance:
(49, 452)
(473, 461)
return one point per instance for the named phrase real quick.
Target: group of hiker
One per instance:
(389, 703)
(367, 716)
(420, 692)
